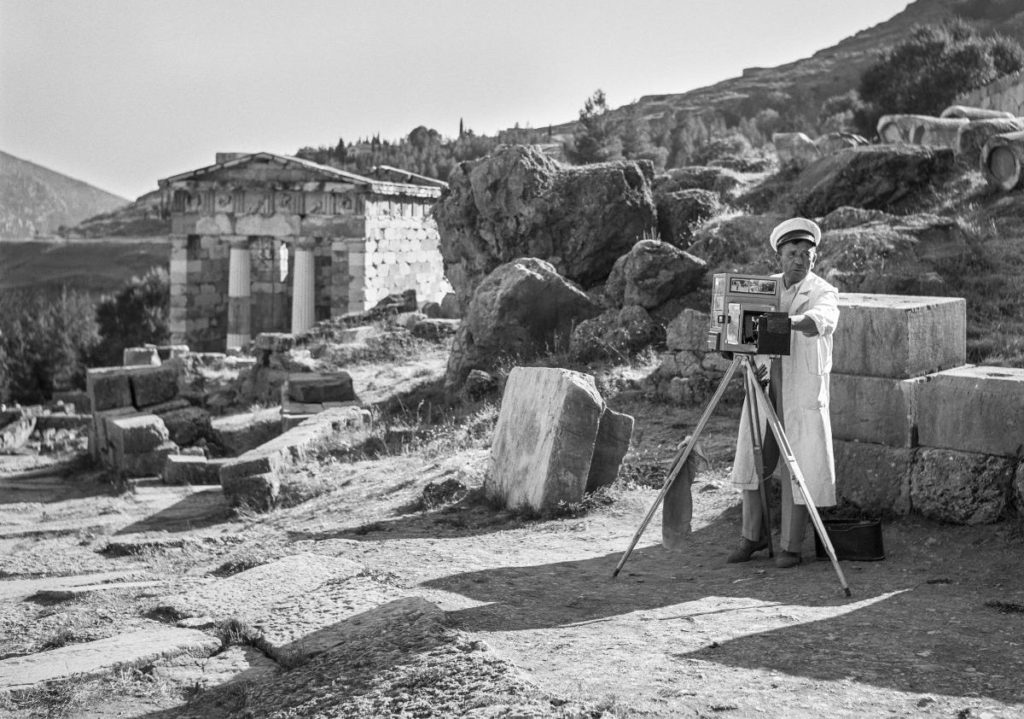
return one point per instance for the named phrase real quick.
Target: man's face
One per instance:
(797, 259)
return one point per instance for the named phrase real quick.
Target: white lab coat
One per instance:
(805, 399)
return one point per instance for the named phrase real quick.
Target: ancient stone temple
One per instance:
(269, 243)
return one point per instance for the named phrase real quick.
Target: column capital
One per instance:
(238, 242)
(304, 243)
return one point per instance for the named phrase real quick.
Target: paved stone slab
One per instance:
(18, 589)
(255, 478)
(973, 409)
(961, 487)
(899, 336)
(84, 589)
(545, 437)
(283, 600)
(95, 659)
(874, 477)
(874, 409)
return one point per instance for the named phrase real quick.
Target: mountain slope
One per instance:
(37, 201)
(806, 83)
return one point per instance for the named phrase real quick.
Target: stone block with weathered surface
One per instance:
(136, 434)
(97, 658)
(973, 409)
(545, 437)
(256, 477)
(319, 388)
(153, 385)
(613, 435)
(961, 487)
(899, 336)
(874, 409)
(191, 469)
(144, 356)
(108, 388)
(238, 433)
(874, 477)
(146, 464)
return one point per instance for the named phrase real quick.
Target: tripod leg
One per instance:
(680, 459)
(787, 455)
(750, 380)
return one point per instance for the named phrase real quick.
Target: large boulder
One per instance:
(519, 202)
(651, 273)
(681, 211)
(719, 180)
(737, 244)
(614, 334)
(894, 255)
(795, 150)
(873, 177)
(523, 308)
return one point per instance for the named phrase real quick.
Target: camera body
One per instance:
(746, 315)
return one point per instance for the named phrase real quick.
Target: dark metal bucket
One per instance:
(858, 540)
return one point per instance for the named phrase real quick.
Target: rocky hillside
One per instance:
(831, 71)
(142, 218)
(35, 201)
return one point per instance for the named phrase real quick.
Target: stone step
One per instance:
(97, 658)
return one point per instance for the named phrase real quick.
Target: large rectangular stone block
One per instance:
(137, 434)
(153, 385)
(614, 432)
(899, 336)
(545, 436)
(874, 477)
(317, 388)
(973, 409)
(874, 409)
(108, 388)
(238, 433)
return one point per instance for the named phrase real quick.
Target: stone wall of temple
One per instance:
(402, 251)
(199, 278)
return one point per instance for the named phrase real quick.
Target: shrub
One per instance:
(44, 337)
(924, 73)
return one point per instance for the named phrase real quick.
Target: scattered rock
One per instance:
(679, 212)
(614, 334)
(651, 273)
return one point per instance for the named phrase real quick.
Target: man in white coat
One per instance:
(799, 388)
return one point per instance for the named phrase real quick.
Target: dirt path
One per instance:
(533, 624)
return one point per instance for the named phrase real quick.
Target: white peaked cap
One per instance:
(798, 228)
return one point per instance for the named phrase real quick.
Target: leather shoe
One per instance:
(785, 559)
(746, 548)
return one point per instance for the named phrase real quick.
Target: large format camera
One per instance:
(746, 316)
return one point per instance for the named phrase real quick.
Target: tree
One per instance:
(136, 315)
(594, 140)
(924, 73)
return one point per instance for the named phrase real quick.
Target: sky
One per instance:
(121, 93)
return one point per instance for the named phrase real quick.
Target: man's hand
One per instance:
(762, 376)
(804, 324)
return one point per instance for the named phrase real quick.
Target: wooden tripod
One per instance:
(757, 400)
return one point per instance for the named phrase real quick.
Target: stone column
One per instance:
(303, 285)
(239, 295)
